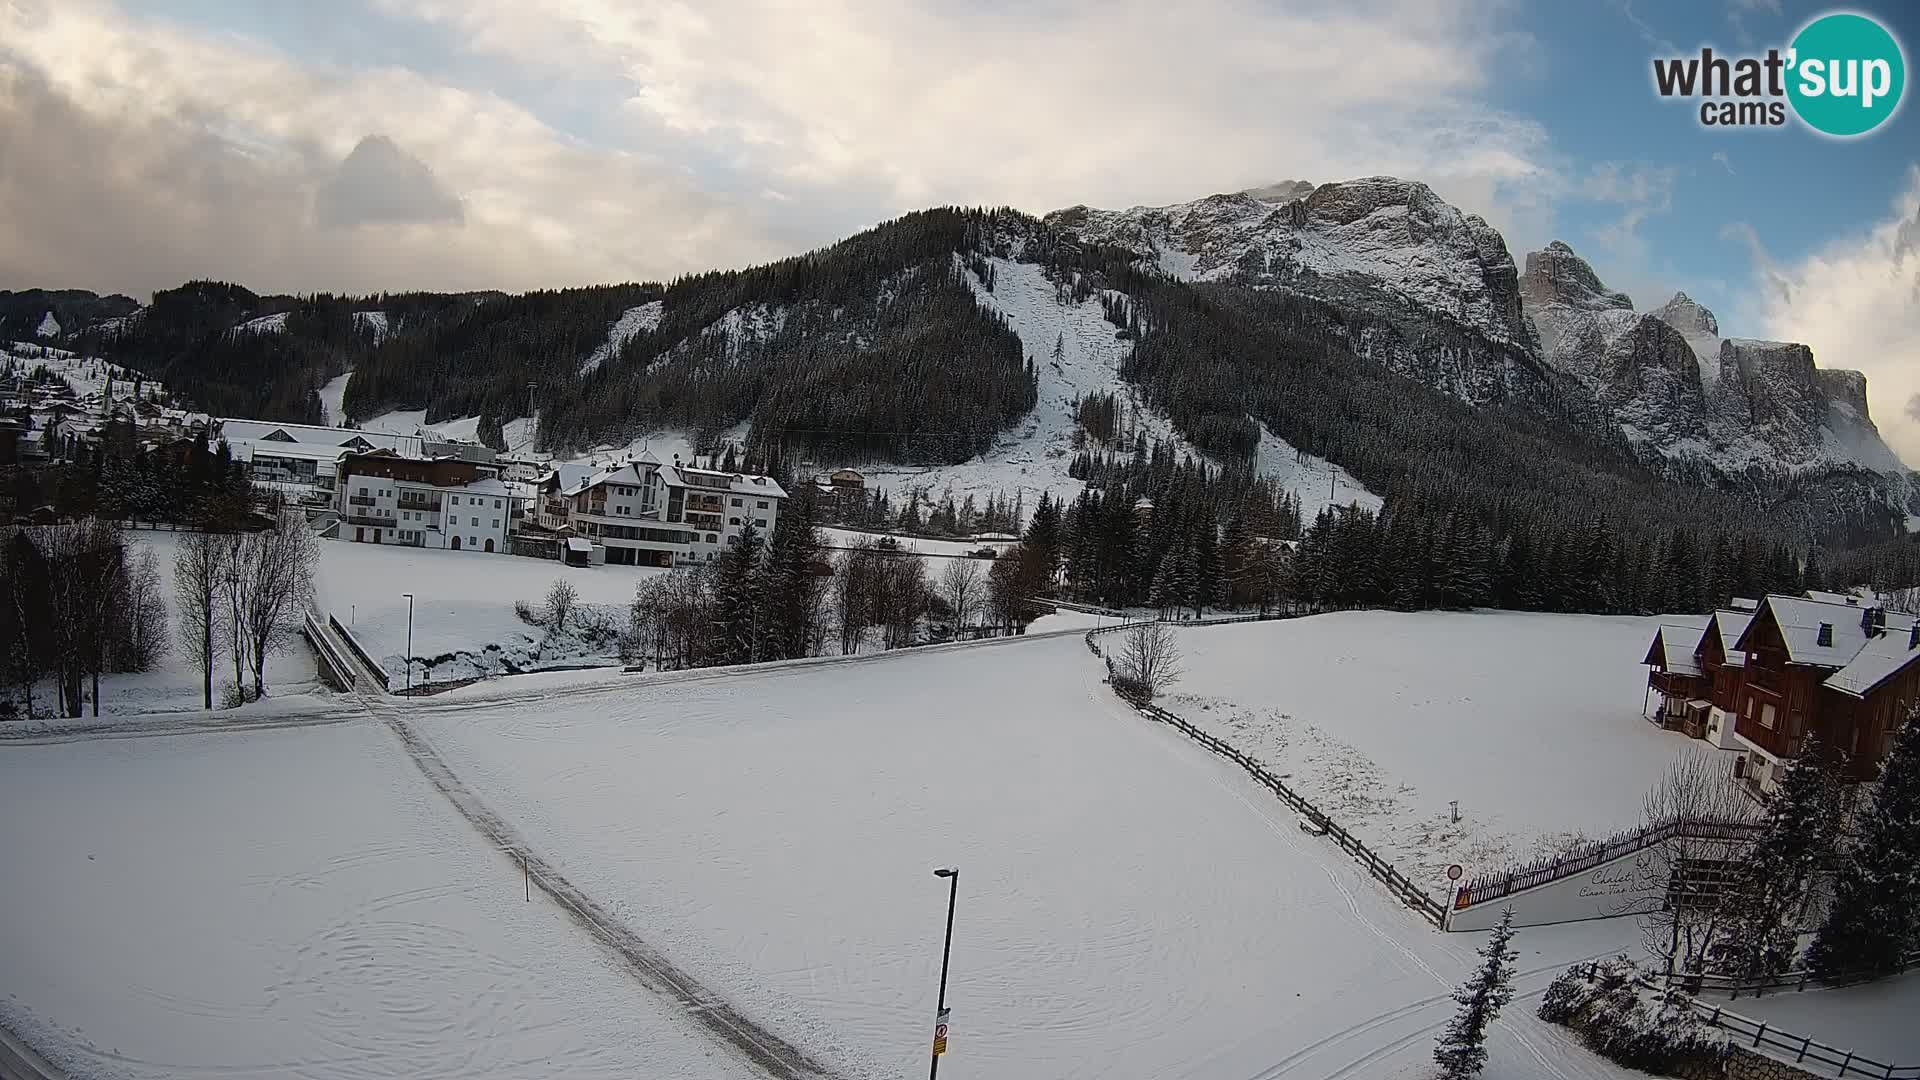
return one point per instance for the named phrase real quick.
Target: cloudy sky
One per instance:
(365, 145)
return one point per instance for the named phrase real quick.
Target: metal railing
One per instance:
(370, 519)
(374, 670)
(363, 500)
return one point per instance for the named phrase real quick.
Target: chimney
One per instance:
(1825, 637)
(1866, 621)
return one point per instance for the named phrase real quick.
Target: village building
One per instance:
(1826, 666)
(383, 497)
(646, 513)
(299, 459)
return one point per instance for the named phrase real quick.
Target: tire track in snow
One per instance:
(760, 1047)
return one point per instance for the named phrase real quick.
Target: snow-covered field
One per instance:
(1532, 722)
(296, 903)
(463, 606)
(1128, 905)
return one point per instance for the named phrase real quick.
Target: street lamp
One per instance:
(409, 597)
(952, 874)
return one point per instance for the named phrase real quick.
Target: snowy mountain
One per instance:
(1683, 392)
(1385, 246)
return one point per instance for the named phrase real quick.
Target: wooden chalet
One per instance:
(1838, 670)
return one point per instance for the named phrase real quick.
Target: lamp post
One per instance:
(952, 874)
(409, 597)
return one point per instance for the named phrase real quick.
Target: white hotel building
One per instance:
(383, 498)
(646, 513)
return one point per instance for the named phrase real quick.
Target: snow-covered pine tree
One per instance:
(1768, 899)
(736, 607)
(1462, 1050)
(1874, 922)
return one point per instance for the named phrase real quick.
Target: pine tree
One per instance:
(1462, 1051)
(737, 607)
(1873, 921)
(1768, 899)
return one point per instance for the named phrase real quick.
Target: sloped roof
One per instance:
(1832, 597)
(764, 487)
(1730, 625)
(1882, 658)
(1677, 647)
(1800, 619)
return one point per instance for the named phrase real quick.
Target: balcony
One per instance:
(1769, 679)
(1678, 684)
(710, 522)
(370, 519)
(363, 500)
(1774, 740)
(432, 506)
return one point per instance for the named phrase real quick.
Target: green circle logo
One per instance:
(1847, 74)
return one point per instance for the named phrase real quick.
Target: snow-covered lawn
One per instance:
(1129, 906)
(463, 603)
(1532, 722)
(297, 903)
(1874, 1021)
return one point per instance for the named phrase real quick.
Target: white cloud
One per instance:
(1720, 158)
(1856, 303)
(735, 131)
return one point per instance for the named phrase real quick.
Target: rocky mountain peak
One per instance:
(1281, 191)
(1558, 275)
(1685, 314)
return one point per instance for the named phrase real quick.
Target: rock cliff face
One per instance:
(1381, 245)
(1684, 393)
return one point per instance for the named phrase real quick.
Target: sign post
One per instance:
(940, 1033)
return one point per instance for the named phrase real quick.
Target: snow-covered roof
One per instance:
(1831, 597)
(1741, 603)
(486, 485)
(1879, 660)
(569, 477)
(739, 483)
(576, 543)
(241, 435)
(1677, 644)
(247, 450)
(1800, 620)
(1730, 625)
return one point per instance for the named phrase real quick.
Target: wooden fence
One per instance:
(1496, 885)
(1312, 816)
(1797, 980)
(1798, 1050)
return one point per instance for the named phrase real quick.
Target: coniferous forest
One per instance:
(875, 349)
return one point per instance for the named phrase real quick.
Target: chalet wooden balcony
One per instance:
(1763, 678)
(1679, 684)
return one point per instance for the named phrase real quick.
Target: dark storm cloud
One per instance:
(381, 184)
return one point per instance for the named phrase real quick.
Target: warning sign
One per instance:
(940, 1033)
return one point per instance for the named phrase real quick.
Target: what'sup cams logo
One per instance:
(1843, 76)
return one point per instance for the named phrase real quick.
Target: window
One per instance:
(733, 539)
(496, 523)
(476, 522)
(1766, 717)
(736, 502)
(759, 523)
(454, 499)
(496, 504)
(733, 521)
(712, 539)
(363, 490)
(762, 504)
(471, 541)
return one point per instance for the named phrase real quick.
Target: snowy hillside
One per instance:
(375, 321)
(331, 396)
(49, 327)
(1077, 354)
(634, 321)
(275, 323)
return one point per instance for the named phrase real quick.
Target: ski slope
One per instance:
(294, 903)
(1530, 721)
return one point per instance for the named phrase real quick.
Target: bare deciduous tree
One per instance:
(1149, 658)
(562, 598)
(145, 615)
(961, 585)
(1691, 869)
(199, 569)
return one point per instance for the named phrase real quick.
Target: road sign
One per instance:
(1454, 872)
(940, 1033)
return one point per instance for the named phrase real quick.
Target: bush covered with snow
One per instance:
(1630, 1023)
